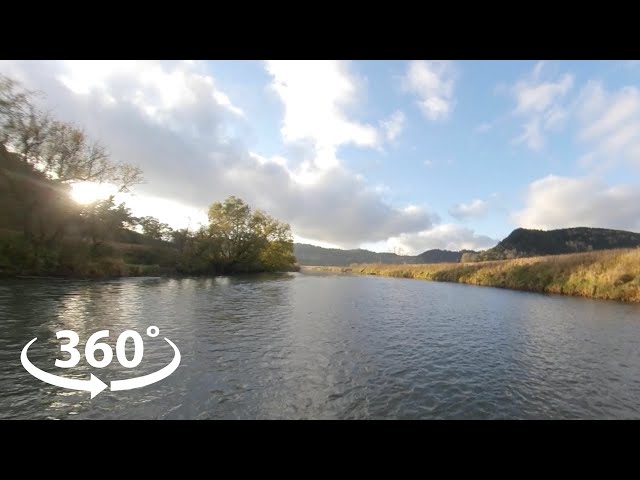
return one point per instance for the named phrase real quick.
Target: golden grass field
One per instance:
(606, 274)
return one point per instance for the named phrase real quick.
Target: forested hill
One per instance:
(441, 256)
(523, 242)
(312, 255)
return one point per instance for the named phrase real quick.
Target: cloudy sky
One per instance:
(373, 154)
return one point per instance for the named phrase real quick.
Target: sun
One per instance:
(87, 192)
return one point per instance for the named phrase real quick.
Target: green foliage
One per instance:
(162, 256)
(277, 256)
(101, 220)
(153, 228)
(236, 239)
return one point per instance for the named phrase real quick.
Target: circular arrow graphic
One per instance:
(94, 384)
(154, 377)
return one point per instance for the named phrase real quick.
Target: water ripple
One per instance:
(325, 346)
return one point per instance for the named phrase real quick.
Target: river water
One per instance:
(323, 346)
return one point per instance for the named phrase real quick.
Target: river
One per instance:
(324, 346)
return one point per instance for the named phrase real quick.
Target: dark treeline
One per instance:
(43, 231)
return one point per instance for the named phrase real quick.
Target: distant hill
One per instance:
(523, 242)
(312, 255)
(441, 256)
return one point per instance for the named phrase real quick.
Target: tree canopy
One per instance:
(60, 150)
(43, 157)
(238, 239)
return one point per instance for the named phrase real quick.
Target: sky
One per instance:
(392, 156)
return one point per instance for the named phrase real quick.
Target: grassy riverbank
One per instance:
(608, 274)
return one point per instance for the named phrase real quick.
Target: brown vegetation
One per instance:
(607, 274)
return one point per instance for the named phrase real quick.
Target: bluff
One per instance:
(524, 242)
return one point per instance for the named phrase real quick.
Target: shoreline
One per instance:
(605, 275)
(170, 274)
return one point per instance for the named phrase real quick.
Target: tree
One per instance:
(181, 239)
(275, 242)
(102, 219)
(14, 106)
(230, 231)
(240, 239)
(58, 152)
(153, 228)
(277, 256)
(470, 257)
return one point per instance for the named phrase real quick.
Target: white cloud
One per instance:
(316, 96)
(562, 202)
(446, 237)
(172, 212)
(428, 163)
(539, 102)
(475, 208)
(433, 82)
(394, 125)
(610, 123)
(159, 91)
(277, 159)
(533, 96)
(172, 119)
(604, 112)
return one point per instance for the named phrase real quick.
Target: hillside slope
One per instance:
(312, 255)
(524, 242)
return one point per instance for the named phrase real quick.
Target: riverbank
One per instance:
(92, 271)
(112, 270)
(607, 274)
(77, 259)
(99, 272)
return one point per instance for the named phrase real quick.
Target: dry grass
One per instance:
(607, 274)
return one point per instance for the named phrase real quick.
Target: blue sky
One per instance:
(386, 155)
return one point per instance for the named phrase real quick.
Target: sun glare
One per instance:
(87, 192)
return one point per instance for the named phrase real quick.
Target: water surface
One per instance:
(323, 346)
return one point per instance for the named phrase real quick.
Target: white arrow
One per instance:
(93, 385)
(154, 377)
